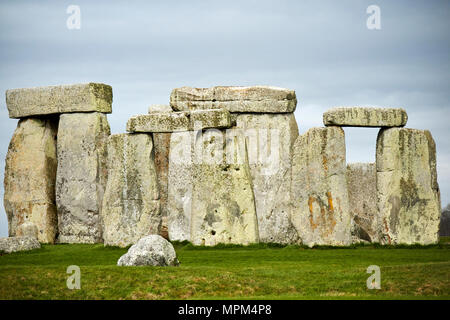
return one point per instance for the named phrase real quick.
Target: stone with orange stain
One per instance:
(319, 188)
(30, 176)
(407, 188)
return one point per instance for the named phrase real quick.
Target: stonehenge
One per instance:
(219, 165)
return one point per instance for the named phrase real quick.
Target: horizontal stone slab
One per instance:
(259, 99)
(87, 97)
(180, 121)
(365, 117)
(156, 108)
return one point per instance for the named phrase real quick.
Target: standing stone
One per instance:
(81, 176)
(362, 193)
(319, 188)
(270, 139)
(161, 144)
(223, 204)
(30, 175)
(131, 207)
(179, 191)
(408, 192)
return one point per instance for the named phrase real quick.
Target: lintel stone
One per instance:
(87, 97)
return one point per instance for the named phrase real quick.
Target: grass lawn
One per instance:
(254, 272)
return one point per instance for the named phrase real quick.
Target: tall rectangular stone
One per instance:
(86, 97)
(161, 145)
(362, 193)
(269, 143)
(407, 188)
(81, 176)
(180, 184)
(319, 188)
(131, 205)
(30, 175)
(223, 205)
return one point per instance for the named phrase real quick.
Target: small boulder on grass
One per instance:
(15, 244)
(151, 250)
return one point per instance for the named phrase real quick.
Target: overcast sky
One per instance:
(321, 49)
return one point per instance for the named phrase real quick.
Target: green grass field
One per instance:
(227, 272)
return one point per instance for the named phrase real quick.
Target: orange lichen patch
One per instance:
(311, 214)
(386, 227)
(325, 163)
(330, 202)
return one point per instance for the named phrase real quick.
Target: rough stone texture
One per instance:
(152, 250)
(235, 99)
(15, 244)
(29, 229)
(179, 121)
(319, 188)
(223, 205)
(87, 97)
(30, 175)
(270, 139)
(362, 193)
(81, 176)
(161, 145)
(365, 117)
(131, 207)
(158, 108)
(180, 181)
(408, 192)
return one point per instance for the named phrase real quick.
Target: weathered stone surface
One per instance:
(28, 229)
(223, 205)
(365, 117)
(131, 207)
(180, 181)
(30, 175)
(362, 193)
(87, 97)
(215, 118)
(15, 244)
(270, 139)
(179, 121)
(319, 188)
(81, 176)
(161, 145)
(235, 99)
(158, 108)
(152, 250)
(407, 188)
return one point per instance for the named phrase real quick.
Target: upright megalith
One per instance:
(179, 185)
(161, 145)
(269, 142)
(29, 182)
(85, 97)
(223, 205)
(131, 205)
(255, 99)
(362, 193)
(319, 188)
(407, 188)
(81, 176)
